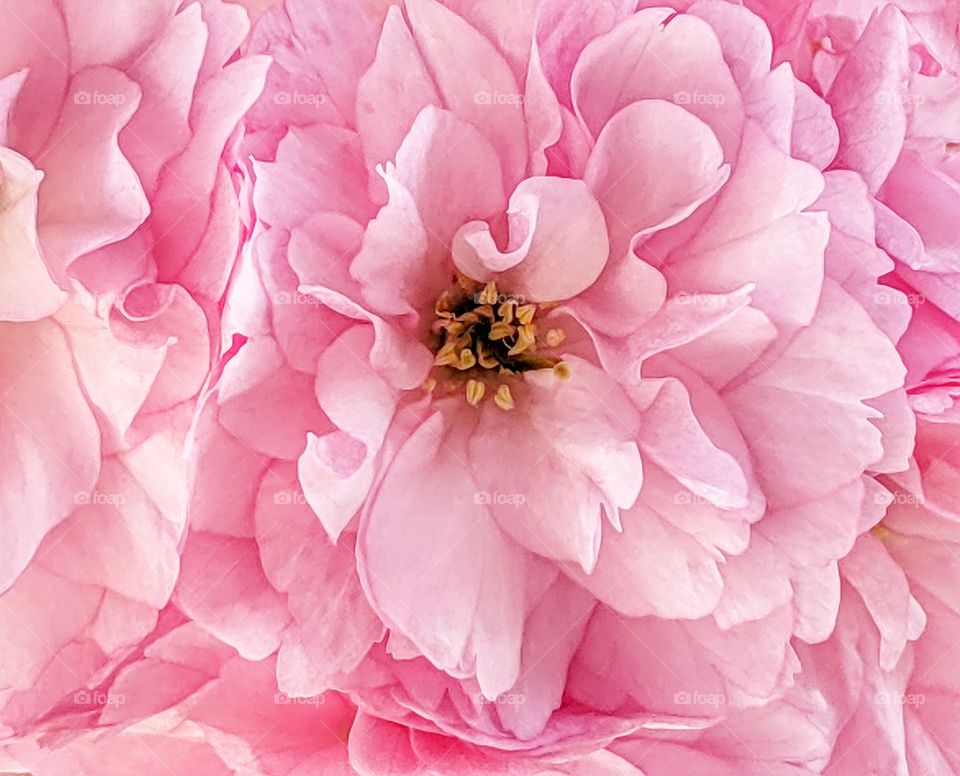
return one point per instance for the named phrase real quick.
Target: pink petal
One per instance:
(333, 626)
(52, 455)
(453, 584)
(472, 77)
(811, 394)
(84, 146)
(337, 469)
(558, 242)
(45, 59)
(624, 169)
(99, 37)
(223, 588)
(565, 27)
(673, 438)
(393, 91)
(759, 214)
(267, 405)
(402, 361)
(28, 292)
(439, 153)
(653, 56)
(869, 97)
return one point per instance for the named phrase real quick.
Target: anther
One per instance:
(500, 330)
(525, 314)
(489, 293)
(503, 398)
(467, 360)
(475, 391)
(554, 337)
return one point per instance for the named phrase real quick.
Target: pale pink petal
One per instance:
(558, 242)
(333, 626)
(393, 91)
(52, 453)
(337, 469)
(657, 55)
(565, 27)
(758, 214)
(28, 292)
(456, 559)
(403, 362)
(99, 37)
(868, 98)
(267, 405)
(456, 152)
(625, 168)
(474, 81)
(83, 146)
(671, 436)
(223, 588)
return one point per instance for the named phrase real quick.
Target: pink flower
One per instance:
(559, 375)
(190, 705)
(543, 387)
(119, 226)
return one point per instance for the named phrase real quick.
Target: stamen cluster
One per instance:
(481, 335)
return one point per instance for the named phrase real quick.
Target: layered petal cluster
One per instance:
(621, 512)
(880, 695)
(120, 221)
(525, 387)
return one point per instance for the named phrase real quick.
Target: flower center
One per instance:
(482, 337)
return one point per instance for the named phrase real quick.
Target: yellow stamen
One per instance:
(561, 370)
(555, 337)
(467, 360)
(489, 293)
(499, 330)
(526, 337)
(447, 355)
(503, 398)
(506, 311)
(484, 358)
(525, 314)
(475, 391)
